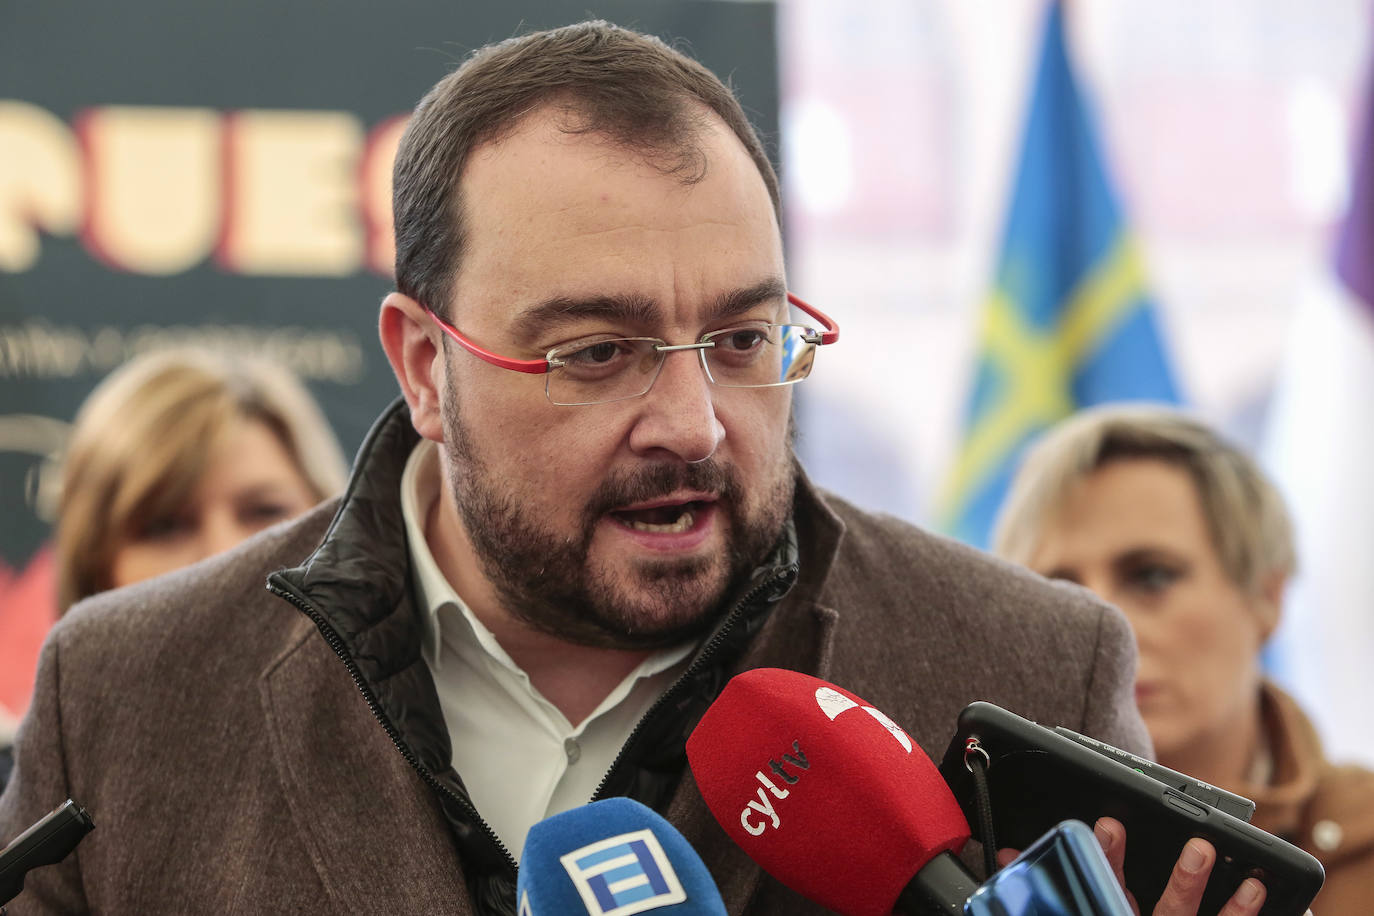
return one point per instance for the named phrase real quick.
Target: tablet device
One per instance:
(1038, 778)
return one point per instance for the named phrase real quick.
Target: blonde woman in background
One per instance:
(1159, 515)
(181, 454)
(178, 455)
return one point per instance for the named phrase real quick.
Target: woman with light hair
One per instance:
(1159, 515)
(180, 454)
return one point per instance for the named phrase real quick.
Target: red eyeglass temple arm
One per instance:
(832, 330)
(532, 366)
(541, 366)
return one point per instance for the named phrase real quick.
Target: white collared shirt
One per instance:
(518, 755)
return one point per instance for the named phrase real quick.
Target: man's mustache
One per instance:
(659, 480)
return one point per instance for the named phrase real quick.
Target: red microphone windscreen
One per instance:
(822, 790)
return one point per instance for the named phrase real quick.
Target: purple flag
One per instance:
(1355, 249)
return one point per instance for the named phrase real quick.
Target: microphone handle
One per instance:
(941, 888)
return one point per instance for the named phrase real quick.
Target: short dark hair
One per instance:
(630, 87)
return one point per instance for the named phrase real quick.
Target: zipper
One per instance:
(336, 643)
(712, 646)
(331, 636)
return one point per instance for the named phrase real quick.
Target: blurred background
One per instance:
(219, 174)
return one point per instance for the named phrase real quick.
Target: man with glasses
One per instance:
(582, 518)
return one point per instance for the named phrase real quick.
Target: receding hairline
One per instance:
(632, 87)
(550, 121)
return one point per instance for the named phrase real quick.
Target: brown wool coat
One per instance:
(1326, 809)
(231, 765)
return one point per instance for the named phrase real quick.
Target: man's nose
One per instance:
(678, 414)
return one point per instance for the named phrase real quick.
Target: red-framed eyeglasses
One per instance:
(597, 371)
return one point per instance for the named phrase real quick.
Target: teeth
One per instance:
(684, 523)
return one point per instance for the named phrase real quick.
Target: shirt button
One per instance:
(1327, 835)
(572, 749)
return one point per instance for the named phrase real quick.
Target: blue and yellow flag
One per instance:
(1069, 322)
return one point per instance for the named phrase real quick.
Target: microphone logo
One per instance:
(624, 874)
(832, 703)
(764, 805)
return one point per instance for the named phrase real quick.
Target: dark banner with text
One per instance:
(219, 175)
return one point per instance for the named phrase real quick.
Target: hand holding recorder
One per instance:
(1038, 776)
(836, 801)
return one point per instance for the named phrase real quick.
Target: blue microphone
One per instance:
(614, 857)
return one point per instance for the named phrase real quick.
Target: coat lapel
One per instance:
(371, 827)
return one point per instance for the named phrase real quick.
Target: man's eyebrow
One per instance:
(637, 309)
(739, 301)
(560, 310)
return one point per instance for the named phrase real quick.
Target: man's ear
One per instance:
(413, 348)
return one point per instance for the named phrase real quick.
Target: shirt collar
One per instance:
(447, 621)
(433, 593)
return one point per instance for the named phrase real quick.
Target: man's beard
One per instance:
(546, 579)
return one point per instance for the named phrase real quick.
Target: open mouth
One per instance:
(677, 518)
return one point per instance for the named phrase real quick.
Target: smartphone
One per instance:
(1064, 873)
(45, 843)
(1038, 778)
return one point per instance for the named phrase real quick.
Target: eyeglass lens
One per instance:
(613, 370)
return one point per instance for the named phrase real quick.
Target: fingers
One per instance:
(1183, 893)
(1247, 899)
(1111, 836)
